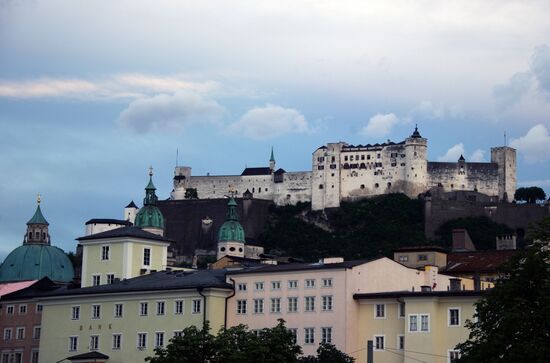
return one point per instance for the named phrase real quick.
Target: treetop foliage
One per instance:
(530, 195)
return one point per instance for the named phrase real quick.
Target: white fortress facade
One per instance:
(343, 172)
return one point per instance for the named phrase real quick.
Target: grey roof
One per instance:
(302, 267)
(398, 294)
(88, 355)
(132, 205)
(129, 231)
(257, 171)
(162, 280)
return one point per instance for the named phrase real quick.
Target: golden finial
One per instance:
(38, 198)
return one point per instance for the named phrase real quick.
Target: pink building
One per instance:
(316, 299)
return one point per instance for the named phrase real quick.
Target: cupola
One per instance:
(231, 234)
(150, 218)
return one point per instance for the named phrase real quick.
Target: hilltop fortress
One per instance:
(343, 172)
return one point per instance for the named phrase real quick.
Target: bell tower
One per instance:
(37, 227)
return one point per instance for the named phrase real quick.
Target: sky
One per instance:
(92, 93)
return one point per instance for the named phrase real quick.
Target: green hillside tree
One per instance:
(529, 195)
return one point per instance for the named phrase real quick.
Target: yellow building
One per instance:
(126, 320)
(412, 327)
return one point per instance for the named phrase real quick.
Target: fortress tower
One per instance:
(505, 157)
(416, 163)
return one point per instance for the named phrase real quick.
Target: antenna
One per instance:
(504, 137)
(177, 156)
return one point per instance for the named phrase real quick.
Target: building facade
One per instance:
(342, 172)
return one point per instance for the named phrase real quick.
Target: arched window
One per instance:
(320, 186)
(232, 249)
(376, 185)
(362, 186)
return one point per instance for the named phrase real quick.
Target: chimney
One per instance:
(462, 241)
(425, 288)
(454, 284)
(477, 282)
(506, 242)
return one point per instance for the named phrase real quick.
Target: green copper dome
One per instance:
(231, 230)
(38, 217)
(149, 216)
(35, 261)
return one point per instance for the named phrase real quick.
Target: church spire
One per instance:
(272, 160)
(37, 227)
(150, 196)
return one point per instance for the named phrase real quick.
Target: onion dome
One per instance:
(36, 258)
(150, 216)
(231, 230)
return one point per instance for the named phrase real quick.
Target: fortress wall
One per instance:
(481, 176)
(209, 187)
(296, 187)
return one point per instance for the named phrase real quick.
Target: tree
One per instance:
(328, 353)
(513, 318)
(191, 193)
(530, 194)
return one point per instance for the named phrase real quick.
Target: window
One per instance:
(379, 342)
(259, 286)
(36, 332)
(327, 282)
(380, 311)
(258, 306)
(143, 308)
(293, 284)
(241, 306)
(292, 304)
(142, 341)
(310, 303)
(178, 333)
(96, 311)
(75, 313)
(10, 309)
(310, 283)
(118, 310)
(178, 307)
(22, 309)
(96, 280)
(20, 333)
(275, 285)
(294, 333)
(117, 340)
(241, 287)
(422, 257)
(401, 308)
(453, 355)
(39, 308)
(7, 333)
(73, 344)
(309, 335)
(454, 316)
(326, 335)
(401, 342)
(160, 307)
(94, 342)
(146, 257)
(424, 322)
(110, 278)
(104, 253)
(413, 323)
(196, 306)
(276, 305)
(327, 303)
(6, 356)
(34, 356)
(159, 339)
(403, 258)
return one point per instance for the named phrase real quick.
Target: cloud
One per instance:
(477, 156)
(514, 90)
(534, 145)
(126, 86)
(540, 66)
(453, 153)
(380, 125)
(270, 121)
(169, 113)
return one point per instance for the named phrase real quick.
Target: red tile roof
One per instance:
(477, 261)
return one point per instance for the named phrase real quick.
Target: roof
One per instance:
(156, 281)
(38, 217)
(477, 261)
(280, 171)
(131, 205)
(256, 171)
(374, 146)
(32, 289)
(88, 355)
(420, 248)
(34, 261)
(109, 221)
(398, 294)
(303, 267)
(129, 231)
(9, 287)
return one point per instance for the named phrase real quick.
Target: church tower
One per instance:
(272, 161)
(231, 235)
(150, 218)
(37, 228)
